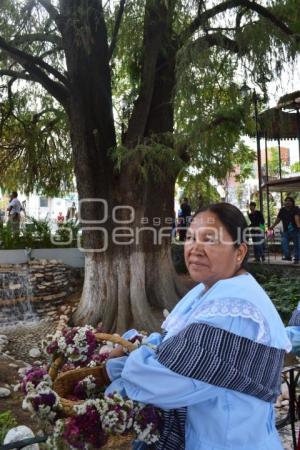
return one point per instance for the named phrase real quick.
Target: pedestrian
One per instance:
(289, 215)
(257, 231)
(60, 219)
(71, 213)
(14, 212)
(185, 214)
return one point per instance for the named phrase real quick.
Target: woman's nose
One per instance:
(198, 247)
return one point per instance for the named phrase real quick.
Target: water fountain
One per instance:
(15, 296)
(33, 290)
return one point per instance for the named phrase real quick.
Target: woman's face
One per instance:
(209, 250)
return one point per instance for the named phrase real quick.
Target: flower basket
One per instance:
(70, 395)
(63, 384)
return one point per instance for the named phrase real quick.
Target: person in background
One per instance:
(215, 370)
(184, 218)
(2, 218)
(60, 219)
(289, 215)
(72, 213)
(257, 230)
(14, 212)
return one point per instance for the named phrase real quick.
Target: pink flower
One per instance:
(85, 429)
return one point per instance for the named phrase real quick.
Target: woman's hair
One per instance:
(233, 220)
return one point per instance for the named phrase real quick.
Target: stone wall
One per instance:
(42, 283)
(52, 280)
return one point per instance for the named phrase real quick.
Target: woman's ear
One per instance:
(242, 252)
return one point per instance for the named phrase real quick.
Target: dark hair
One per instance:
(233, 220)
(252, 204)
(290, 199)
(14, 194)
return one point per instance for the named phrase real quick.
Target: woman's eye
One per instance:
(211, 240)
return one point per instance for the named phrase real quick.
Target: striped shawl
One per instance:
(220, 358)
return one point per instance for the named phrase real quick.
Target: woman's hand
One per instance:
(117, 352)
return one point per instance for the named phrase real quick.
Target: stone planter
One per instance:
(69, 256)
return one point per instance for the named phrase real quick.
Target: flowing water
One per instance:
(15, 297)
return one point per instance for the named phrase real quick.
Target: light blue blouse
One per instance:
(217, 418)
(294, 336)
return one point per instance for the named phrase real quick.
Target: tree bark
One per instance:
(125, 285)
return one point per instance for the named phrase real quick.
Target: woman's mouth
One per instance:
(197, 264)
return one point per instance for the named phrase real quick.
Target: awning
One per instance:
(290, 101)
(277, 124)
(291, 184)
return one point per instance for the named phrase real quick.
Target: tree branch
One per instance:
(216, 121)
(30, 64)
(37, 37)
(229, 4)
(216, 39)
(116, 27)
(51, 10)
(154, 28)
(14, 74)
(23, 57)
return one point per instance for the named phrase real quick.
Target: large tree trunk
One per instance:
(133, 280)
(125, 285)
(121, 287)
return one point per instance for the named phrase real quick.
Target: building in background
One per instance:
(41, 207)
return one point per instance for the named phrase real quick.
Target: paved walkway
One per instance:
(275, 259)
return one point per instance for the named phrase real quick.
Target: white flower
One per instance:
(92, 364)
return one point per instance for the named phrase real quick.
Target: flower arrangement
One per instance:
(39, 398)
(43, 401)
(32, 377)
(98, 416)
(85, 388)
(96, 419)
(76, 344)
(147, 424)
(80, 348)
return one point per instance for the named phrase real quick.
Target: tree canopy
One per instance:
(217, 43)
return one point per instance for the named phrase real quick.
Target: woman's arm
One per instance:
(146, 380)
(118, 357)
(293, 333)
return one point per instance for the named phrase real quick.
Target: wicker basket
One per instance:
(64, 383)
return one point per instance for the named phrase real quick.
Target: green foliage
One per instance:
(152, 157)
(295, 167)
(35, 152)
(283, 291)
(273, 163)
(38, 234)
(272, 207)
(197, 189)
(7, 421)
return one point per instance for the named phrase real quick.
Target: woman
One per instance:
(216, 372)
